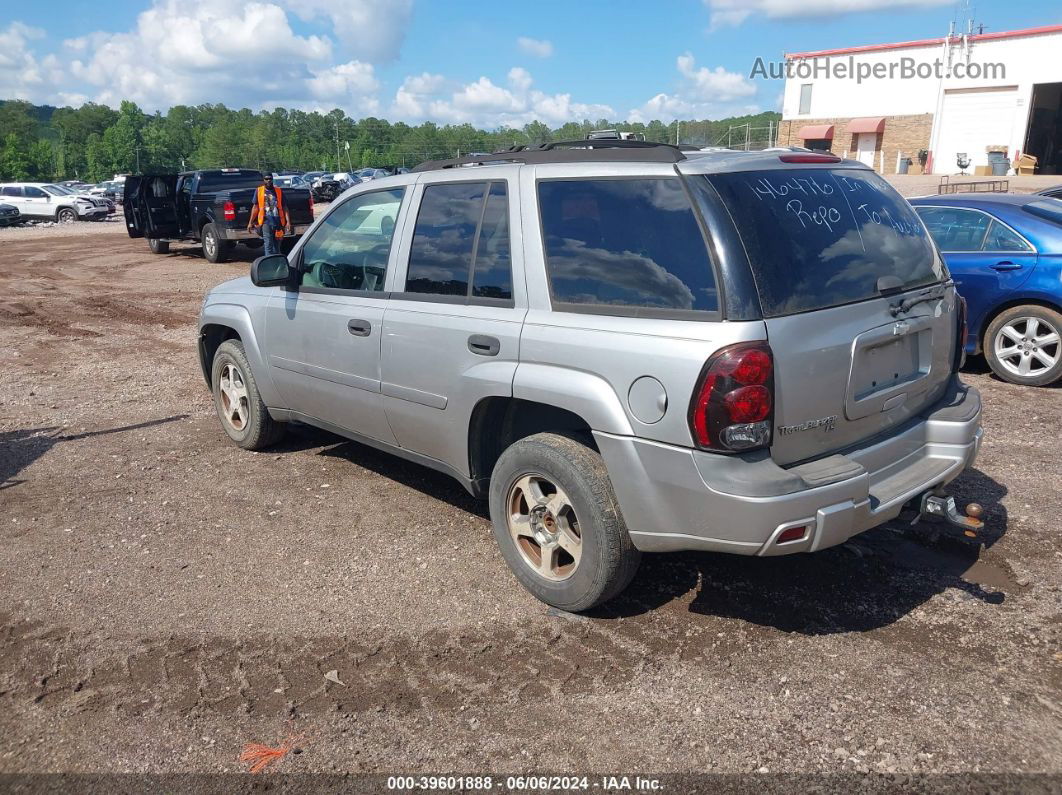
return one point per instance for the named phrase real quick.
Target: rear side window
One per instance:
(460, 243)
(631, 243)
(825, 237)
(11, 190)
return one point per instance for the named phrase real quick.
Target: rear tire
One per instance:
(239, 405)
(214, 248)
(571, 548)
(1025, 338)
(159, 246)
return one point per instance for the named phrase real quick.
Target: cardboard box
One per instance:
(1025, 165)
(982, 171)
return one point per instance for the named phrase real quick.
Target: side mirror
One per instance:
(271, 271)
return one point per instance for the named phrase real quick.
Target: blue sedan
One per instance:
(1005, 253)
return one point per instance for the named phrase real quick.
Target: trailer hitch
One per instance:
(943, 508)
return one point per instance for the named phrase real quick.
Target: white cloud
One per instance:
(22, 74)
(487, 104)
(337, 83)
(713, 85)
(191, 51)
(539, 48)
(725, 13)
(702, 93)
(371, 30)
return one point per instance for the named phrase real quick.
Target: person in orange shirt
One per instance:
(269, 216)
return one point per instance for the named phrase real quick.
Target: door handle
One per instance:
(359, 328)
(482, 345)
(1006, 265)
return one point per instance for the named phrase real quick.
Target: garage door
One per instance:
(972, 119)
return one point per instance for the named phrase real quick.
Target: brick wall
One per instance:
(905, 134)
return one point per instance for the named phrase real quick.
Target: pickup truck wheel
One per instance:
(214, 248)
(557, 522)
(1023, 345)
(159, 246)
(239, 405)
(66, 215)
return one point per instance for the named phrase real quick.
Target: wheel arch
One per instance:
(496, 422)
(221, 322)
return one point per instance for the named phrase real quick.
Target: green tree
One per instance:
(14, 161)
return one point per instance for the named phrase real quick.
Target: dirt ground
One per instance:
(166, 598)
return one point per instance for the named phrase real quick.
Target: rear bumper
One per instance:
(676, 498)
(241, 233)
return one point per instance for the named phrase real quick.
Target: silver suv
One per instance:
(625, 347)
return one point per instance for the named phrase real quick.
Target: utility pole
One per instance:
(339, 164)
(138, 158)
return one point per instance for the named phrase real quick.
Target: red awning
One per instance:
(871, 124)
(816, 132)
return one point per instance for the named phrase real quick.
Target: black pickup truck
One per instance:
(211, 207)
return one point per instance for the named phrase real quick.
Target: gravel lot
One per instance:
(166, 597)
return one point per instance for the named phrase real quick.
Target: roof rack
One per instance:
(595, 150)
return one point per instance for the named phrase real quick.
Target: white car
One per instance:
(44, 200)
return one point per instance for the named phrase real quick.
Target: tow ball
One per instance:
(942, 507)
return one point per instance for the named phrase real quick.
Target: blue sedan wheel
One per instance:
(1023, 345)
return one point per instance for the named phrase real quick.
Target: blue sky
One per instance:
(487, 63)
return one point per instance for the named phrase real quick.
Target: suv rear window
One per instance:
(625, 243)
(824, 237)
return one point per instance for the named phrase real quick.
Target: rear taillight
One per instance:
(229, 210)
(962, 331)
(311, 205)
(733, 407)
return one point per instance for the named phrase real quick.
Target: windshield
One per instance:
(57, 190)
(817, 238)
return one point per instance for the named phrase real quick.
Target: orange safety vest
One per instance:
(280, 207)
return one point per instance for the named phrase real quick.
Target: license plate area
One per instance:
(887, 362)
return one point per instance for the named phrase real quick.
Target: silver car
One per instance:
(624, 347)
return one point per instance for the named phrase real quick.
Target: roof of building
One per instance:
(902, 45)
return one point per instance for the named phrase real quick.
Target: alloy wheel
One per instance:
(544, 527)
(1027, 346)
(235, 404)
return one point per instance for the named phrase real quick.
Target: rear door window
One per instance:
(817, 238)
(630, 244)
(460, 243)
(954, 229)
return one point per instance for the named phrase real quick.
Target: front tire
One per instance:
(159, 246)
(239, 405)
(1023, 345)
(214, 248)
(557, 522)
(65, 215)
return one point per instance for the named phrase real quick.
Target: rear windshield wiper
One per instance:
(909, 303)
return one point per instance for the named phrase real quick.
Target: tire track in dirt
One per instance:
(56, 669)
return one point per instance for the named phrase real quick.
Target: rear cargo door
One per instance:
(859, 313)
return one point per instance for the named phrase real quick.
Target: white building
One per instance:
(951, 95)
